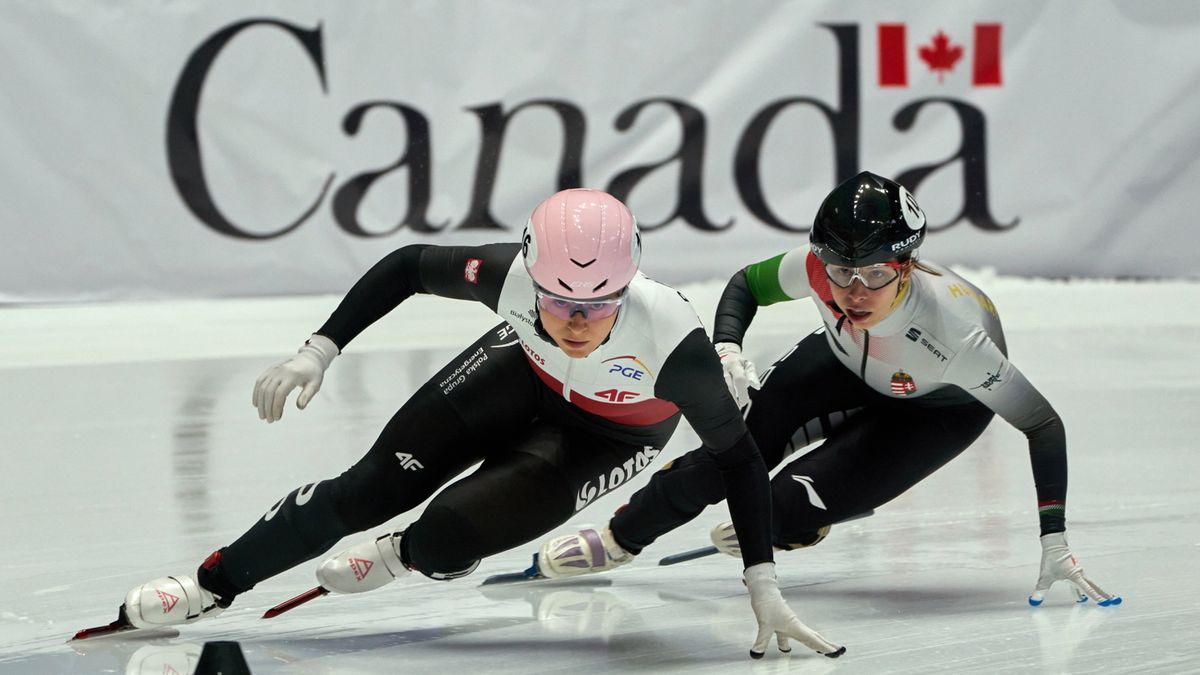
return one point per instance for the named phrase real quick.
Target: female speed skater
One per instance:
(908, 369)
(588, 375)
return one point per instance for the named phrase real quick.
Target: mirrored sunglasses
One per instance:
(565, 308)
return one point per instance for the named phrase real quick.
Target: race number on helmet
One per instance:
(582, 244)
(867, 220)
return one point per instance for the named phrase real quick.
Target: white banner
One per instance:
(192, 149)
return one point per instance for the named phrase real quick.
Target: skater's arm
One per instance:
(691, 378)
(773, 280)
(983, 371)
(462, 272)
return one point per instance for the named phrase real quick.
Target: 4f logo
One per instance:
(617, 396)
(409, 462)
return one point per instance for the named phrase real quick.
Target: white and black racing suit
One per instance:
(892, 403)
(552, 433)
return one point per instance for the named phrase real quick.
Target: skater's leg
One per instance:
(866, 463)
(784, 414)
(486, 394)
(516, 497)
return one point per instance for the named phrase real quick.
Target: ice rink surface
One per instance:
(131, 450)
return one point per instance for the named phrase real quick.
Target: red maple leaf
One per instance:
(940, 54)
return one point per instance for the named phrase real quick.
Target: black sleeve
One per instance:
(692, 379)
(1048, 455)
(448, 271)
(735, 310)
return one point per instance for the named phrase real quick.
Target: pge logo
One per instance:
(632, 368)
(627, 371)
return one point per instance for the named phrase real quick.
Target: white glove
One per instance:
(1059, 564)
(740, 374)
(774, 616)
(306, 369)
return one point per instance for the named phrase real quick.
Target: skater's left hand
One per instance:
(1059, 564)
(776, 618)
(740, 375)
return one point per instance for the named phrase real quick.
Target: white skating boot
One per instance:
(726, 541)
(363, 567)
(371, 564)
(170, 601)
(584, 552)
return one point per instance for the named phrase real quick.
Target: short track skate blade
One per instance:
(531, 574)
(688, 555)
(121, 627)
(295, 602)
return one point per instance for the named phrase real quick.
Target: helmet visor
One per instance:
(874, 277)
(565, 308)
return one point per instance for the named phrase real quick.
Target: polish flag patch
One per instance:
(471, 271)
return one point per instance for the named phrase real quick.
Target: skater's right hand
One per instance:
(740, 373)
(1059, 564)
(306, 369)
(776, 618)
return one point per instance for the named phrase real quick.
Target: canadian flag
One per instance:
(941, 53)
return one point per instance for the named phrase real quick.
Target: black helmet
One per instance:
(867, 220)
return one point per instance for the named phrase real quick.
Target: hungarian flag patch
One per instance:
(902, 384)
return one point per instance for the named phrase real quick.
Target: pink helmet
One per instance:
(582, 244)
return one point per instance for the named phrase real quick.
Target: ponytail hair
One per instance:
(908, 257)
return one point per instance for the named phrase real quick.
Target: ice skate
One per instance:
(171, 601)
(363, 567)
(584, 552)
(726, 541)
